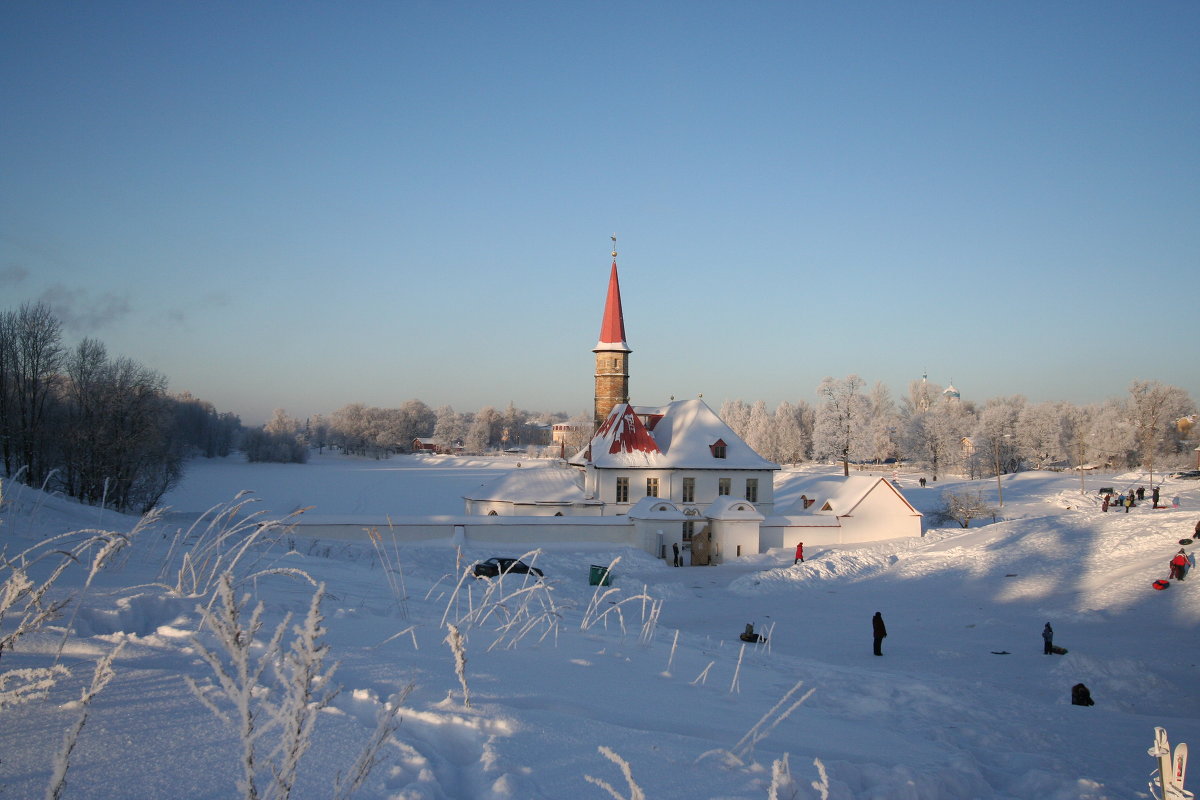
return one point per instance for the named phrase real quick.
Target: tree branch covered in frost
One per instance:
(767, 723)
(62, 762)
(238, 676)
(307, 689)
(781, 781)
(244, 698)
(27, 605)
(391, 569)
(770, 720)
(821, 785)
(455, 640)
(22, 685)
(389, 720)
(528, 608)
(635, 791)
(216, 544)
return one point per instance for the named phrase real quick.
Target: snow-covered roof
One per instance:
(684, 434)
(836, 495)
(535, 486)
(655, 508)
(728, 507)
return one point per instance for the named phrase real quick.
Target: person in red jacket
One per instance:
(1179, 565)
(799, 554)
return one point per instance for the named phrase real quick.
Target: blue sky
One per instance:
(305, 205)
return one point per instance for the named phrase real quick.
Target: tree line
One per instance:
(1152, 427)
(357, 429)
(92, 426)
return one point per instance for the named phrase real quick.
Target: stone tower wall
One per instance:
(612, 382)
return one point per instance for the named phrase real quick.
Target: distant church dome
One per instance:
(950, 393)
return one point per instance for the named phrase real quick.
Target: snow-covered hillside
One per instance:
(648, 673)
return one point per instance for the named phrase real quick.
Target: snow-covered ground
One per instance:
(962, 705)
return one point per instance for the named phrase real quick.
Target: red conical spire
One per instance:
(612, 326)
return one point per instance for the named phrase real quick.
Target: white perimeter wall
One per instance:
(499, 530)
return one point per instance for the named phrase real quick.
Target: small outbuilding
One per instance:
(842, 510)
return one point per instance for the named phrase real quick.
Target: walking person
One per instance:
(1154, 497)
(1047, 639)
(1128, 502)
(799, 553)
(880, 632)
(1104, 503)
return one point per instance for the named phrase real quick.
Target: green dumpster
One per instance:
(599, 576)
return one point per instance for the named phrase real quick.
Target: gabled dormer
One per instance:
(718, 448)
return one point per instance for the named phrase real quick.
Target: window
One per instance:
(718, 448)
(622, 490)
(651, 487)
(752, 489)
(723, 486)
(689, 490)
(689, 528)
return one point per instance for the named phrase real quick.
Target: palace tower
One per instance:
(612, 351)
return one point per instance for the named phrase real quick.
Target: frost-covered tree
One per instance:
(922, 396)
(1153, 410)
(736, 414)
(1041, 433)
(451, 427)
(760, 431)
(579, 433)
(934, 437)
(317, 432)
(995, 437)
(791, 439)
(841, 420)
(883, 428)
(483, 431)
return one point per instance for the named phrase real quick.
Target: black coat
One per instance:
(877, 626)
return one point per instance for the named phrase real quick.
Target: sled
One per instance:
(1160, 584)
(1001, 653)
(1185, 541)
(1058, 651)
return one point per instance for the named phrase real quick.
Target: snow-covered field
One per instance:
(962, 705)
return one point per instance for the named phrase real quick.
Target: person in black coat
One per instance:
(880, 631)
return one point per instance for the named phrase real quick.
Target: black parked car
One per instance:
(1190, 475)
(494, 566)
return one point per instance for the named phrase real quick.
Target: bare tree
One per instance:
(31, 339)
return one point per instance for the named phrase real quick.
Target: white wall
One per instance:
(499, 529)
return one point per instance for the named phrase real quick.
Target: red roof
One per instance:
(612, 326)
(626, 432)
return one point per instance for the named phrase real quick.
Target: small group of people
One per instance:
(1124, 499)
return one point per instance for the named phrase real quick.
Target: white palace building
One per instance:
(656, 477)
(677, 475)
